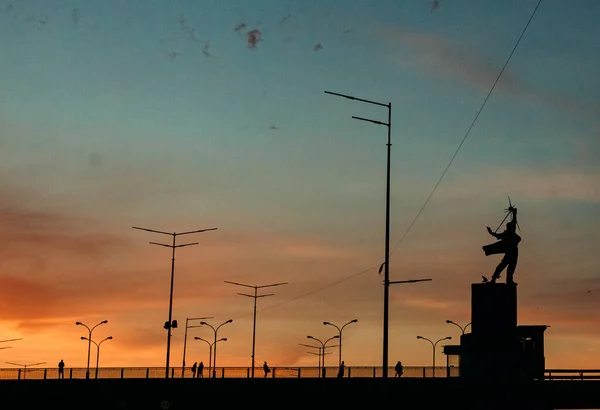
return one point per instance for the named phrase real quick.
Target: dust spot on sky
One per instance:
(240, 27)
(75, 15)
(253, 38)
(317, 47)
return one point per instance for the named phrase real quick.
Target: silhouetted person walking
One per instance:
(200, 370)
(194, 366)
(61, 369)
(399, 369)
(341, 370)
(508, 245)
(266, 369)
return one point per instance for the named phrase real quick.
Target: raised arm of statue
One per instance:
(495, 235)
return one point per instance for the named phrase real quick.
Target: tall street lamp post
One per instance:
(386, 263)
(434, 345)
(340, 334)
(87, 372)
(324, 345)
(255, 296)
(97, 350)
(462, 329)
(172, 323)
(215, 330)
(187, 326)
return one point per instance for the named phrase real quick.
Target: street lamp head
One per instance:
(449, 321)
(198, 338)
(109, 338)
(229, 321)
(223, 339)
(354, 321)
(449, 337)
(78, 323)
(326, 323)
(104, 322)
(309, 337)
(419, 337)
(336, 337)
(203, 323)
(84, 338)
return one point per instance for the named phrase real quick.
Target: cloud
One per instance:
(442, 56)
(447, 58)
(546, 184)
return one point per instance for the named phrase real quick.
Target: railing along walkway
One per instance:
(220, 372)
(276, 372)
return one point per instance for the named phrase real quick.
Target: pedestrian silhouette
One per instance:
(266, 369)
(200, 371)
(341, 370)
(508, 245)
(194, 366)
(399, 369)
(61, 369)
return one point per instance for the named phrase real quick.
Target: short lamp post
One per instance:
(97, 350)
(215, 330)
(340, 329)
(89, 338)
(434, 345)
(462, 329)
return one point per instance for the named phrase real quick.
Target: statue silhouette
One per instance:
(508, 245)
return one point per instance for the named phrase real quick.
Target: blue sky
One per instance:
(119, 113)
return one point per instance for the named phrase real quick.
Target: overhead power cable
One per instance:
(464, 138)
(487, 97)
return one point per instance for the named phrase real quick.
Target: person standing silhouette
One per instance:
(194, 366)
(266, 369)
(508, 245)
(399, 369)
(200, 371)
(341, 370)
(61, 369)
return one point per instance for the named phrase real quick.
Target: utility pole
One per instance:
(172, 323)
(255, 296)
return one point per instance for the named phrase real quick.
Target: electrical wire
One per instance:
(487, 97)
(464, 138)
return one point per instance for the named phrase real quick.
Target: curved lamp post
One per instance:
(87, 372)
(215, 330)
(210, 346)
(97, 350)
(434, 345)
(462, 329)
(340, 334)
(323, 348)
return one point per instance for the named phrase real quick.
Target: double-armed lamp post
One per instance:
(324, 346)
(255, 296)
(89, 339)
(172, 323)
(97, 350)
(462, 329)
(433, 345)
(340, 329)
(215, 330)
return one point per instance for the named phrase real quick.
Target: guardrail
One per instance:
(221, 372)
(276, 372)
(571, 374)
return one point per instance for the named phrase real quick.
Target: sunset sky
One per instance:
(175, 116)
